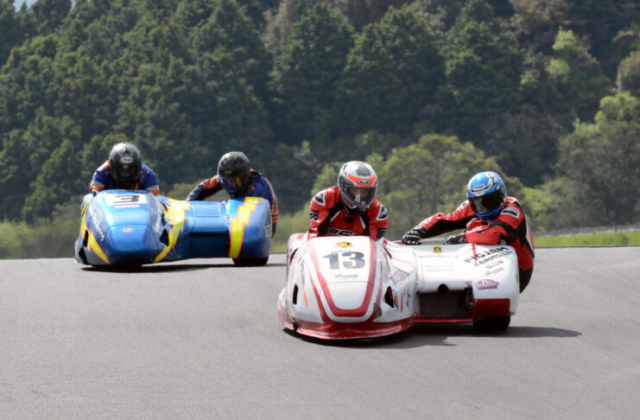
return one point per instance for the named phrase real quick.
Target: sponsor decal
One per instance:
(511, 211)
(343, 244)
(489, 255)
(339, 232)
(267, 231)
(345, 276)
(497, 270)
(128, 230)
(487, 284)
(437, 250)
(397, 276)
(175, 214)
(383, 214)
(364, 182)
(127, 206)
(96, 224)
(494, 264)
(319, 198)
(400, 275)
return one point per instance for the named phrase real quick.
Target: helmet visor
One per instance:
(486, 203)
(234, 182)
(361, 195)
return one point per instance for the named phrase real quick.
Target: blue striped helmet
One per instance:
(487, 195)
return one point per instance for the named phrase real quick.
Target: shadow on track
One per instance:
(161, 268)
(156, 268)
(435, 335)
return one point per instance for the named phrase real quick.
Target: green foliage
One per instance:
(596, 239)
(629, 74)
(328, 177)
(50, 14)
(42, 239)
(483, 68)
(578, 80)
(392, 75)
(10, 31)
(600, 164)
(528, 143)
(308, 71)
(428, 177)
(289, 224)
(303, 86)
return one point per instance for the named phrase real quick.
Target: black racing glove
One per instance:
(413, 236)
(456, 239)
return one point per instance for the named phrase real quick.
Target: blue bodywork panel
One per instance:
(122, 227)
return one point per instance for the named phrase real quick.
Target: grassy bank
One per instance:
(55, 240)
(595, 239)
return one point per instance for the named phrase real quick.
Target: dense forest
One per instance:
(544, 92)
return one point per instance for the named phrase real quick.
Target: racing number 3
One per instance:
(126, 199)
(353, 260)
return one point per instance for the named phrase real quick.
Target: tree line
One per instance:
(545, 92)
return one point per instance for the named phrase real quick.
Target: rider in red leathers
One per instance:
(351, 208)
(489, 217)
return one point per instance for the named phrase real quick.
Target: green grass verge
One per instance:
(596, 239)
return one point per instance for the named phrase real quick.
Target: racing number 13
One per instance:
(354, 260)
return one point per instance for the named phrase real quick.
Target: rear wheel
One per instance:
(492, 323)
(250, 262)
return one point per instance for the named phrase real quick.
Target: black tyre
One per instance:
(492, 323)
(250, 262)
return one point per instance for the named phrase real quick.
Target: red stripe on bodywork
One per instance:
(492, 307)
(341, 330)
(473, 246)
(357, 312)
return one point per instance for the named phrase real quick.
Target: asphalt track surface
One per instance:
(201, 340)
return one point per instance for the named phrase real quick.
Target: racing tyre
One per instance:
(492, 323)
(250, 262)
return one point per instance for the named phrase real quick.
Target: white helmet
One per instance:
(358, 183)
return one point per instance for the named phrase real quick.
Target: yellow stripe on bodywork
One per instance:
(176, 215)
(92, 245)
(237, 225)
(92, 242)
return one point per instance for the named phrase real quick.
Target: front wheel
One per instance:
(492, 323)
(250, 262)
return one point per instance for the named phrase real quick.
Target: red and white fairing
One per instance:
(355, 287)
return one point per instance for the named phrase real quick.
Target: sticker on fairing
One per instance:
(489, 255)
(487, 284)
(511, 211)
(125, 200)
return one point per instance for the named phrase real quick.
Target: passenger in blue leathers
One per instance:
(124, 170)
(237, 177)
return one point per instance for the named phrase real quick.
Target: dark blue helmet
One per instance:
(234, 170)
(125, 163)
(487, 195)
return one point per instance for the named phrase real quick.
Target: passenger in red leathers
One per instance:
(489, 216)
(351, 208)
